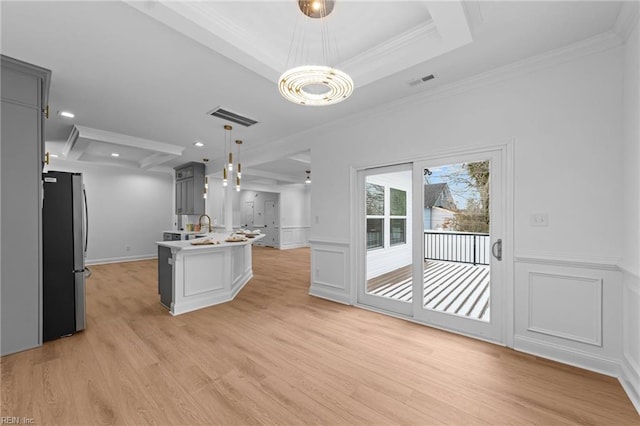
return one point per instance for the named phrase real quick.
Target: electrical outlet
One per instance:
(539, 219)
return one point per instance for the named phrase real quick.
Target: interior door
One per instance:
(270, 223)
(458, 271)
(247, 215)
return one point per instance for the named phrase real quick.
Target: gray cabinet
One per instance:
(24, 91)
(190, 188)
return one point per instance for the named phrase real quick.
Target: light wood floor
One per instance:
(278, 356)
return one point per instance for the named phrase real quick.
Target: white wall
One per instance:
(630, 217)
(214, 205)
(295, 216)
(563, 113)
(128, 210)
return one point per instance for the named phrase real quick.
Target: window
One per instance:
(398, 231)
(398, 217)
(375, 200)
(375, 216)
(398, 202)
(386, 213)
(375, 233)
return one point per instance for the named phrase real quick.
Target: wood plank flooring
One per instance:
(276, 355)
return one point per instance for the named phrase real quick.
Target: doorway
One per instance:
(248, 215)
(270, 223)
(452, 230)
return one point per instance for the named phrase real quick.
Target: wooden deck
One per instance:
(455, 288)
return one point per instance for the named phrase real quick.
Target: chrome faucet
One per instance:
(200, 221)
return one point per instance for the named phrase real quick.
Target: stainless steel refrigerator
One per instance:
(64, 244)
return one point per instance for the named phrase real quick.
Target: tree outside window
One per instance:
(375, 216)
(398, 216)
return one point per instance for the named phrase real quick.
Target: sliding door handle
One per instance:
(496, 249)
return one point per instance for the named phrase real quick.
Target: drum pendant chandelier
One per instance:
(314, 85)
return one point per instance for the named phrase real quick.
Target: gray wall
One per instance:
(128, 210)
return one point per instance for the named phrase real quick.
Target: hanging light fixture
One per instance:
(227, 132)
(308, 179)
(314, 84)
(239, 172)
(230, 164)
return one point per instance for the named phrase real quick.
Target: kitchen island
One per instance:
(192, 277)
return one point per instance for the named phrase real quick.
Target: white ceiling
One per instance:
(150, 71)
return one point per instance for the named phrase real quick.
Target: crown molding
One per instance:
(599, 43)
(417, 34)
(627, 19)
(156, 153)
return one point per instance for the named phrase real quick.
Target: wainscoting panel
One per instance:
(631, 329)
(329, 274)
(569, 311)
(199, 270)
(294, 237)
(551, 295)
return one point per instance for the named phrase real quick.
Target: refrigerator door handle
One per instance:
(86, 221)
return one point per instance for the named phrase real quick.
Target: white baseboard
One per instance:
(293, 246)
(121, 259)
(599, 364)
(630, 381)
(331, 295)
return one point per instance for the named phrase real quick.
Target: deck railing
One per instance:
(464, 247)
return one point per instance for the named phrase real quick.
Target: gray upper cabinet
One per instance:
(25, 89)
(190, 188)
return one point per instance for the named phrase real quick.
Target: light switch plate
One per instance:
(539, 219)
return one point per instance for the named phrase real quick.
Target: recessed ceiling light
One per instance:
(115, 154)
(198, 144)
(67, 114)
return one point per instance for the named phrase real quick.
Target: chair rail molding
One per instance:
(567, 260)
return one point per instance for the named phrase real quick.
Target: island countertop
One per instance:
(214, 236)
(193, 277)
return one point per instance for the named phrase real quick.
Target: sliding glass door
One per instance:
(431, 242)
(385, 213)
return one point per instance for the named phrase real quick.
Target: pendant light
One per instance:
(227, 132)
(313, 84)
(230, 164)
(239, 172)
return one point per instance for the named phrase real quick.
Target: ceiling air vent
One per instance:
(232, 116)
(421, 80)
